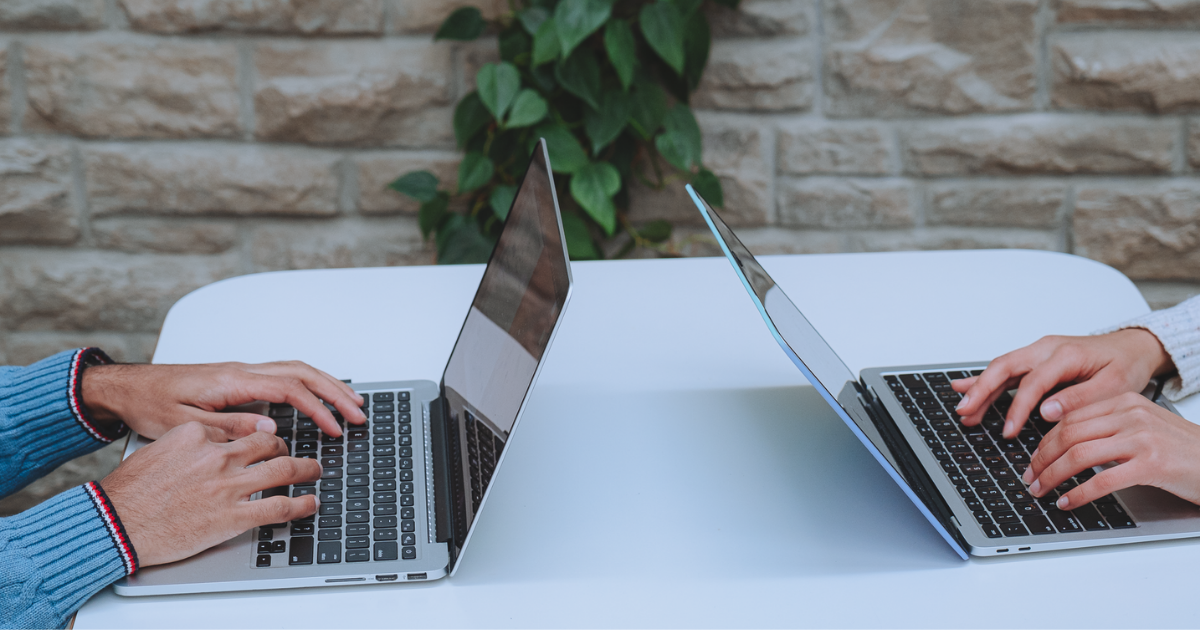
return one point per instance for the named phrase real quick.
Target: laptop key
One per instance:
(331, 473)
(1014, 529)
(329, 553)
(357, 517)
(1121, 522)
(358, 505)
(329, 521)
(982, 517)
(385, 534)
(279, 546)
(409, 553)
(331, 462)
(331, 451)
(383, 397)
(358, 458)
(385, 497)
(1027, 508)
(385, 509)
(302, 492)
(408, 525)
(385, 462)
(386, 551)
(1090, 518)
(1065, 522)
(384, 485)
(1038, 524)
(384, 473)
(408, 513)
(406, 499)
(331, 497)
(358, 542)
(358, 493)
(302, 530)
(262, 560)
(301, 550)
(385, 521)
(357, 480)
(330, 509)
(406, 475)
(358, 530)
(358, 555)
(329, 534)
(331, 485)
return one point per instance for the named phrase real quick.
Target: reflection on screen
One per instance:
(520, 297)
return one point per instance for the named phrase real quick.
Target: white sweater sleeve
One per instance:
(1178, 329)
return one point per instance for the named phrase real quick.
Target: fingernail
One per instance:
(1052, 410)
(1063, 502)
(963, 403)
(1008, 428)
(1036, 488)
(265, 425)
(1027, 476)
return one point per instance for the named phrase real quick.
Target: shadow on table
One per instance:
(690, 484)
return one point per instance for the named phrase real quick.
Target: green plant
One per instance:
(606, 83)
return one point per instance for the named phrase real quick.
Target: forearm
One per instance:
(55, 556)
(1178, 329)
(43, 422)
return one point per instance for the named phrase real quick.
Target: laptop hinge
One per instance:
(441, 471)
(910, 467)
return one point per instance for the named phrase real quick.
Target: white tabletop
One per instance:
(674, 468)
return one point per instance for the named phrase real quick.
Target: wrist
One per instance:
(100, 392)
(1151, 350)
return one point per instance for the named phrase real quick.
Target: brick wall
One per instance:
(149, 147)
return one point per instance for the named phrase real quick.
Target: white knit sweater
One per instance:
(1178, 328)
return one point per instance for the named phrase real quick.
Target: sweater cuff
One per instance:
(60, 553)
(1178, 330)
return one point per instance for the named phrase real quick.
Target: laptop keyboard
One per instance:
(483, 449)
(986, 469)
(368, 507)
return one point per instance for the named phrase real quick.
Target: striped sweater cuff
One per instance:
(85, 358)
(112, 524)
(1178, 330)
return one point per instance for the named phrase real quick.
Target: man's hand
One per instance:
(1101, 366)
(1153, 446)
(152, 399)
(189, 490)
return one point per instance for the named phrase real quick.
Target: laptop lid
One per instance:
(508, 330)
(818, 362)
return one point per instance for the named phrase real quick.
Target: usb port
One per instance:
(390, 577)
(418, 576)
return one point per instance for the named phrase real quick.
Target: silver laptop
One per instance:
(399, 496)
(964, 480)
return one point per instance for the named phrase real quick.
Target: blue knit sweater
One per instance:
(55, 556)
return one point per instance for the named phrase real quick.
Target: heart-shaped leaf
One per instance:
(579, 74)
(420, 185)
(686, 7)
(649, 106)
(460, 242)
(527, 109)
(579, 240)
(474, 171)
(502, 200)
(593, 187)
(470, 115)
(680, 141)
(532, 18)
(662, 25)
(566, 154)
(498, 84)
(605, 123)
(621, 49)
(576, 19)
(465, 24)
(546, 46)
(656, 231)
(697, 40)
(709, 187)
(432, 213)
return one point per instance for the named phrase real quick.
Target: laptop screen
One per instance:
(520, 298)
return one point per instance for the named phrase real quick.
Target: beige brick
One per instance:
(39, 15)
(1193, 143)
(838, 202)
(810, 147)
(1171, 13)
(318, 17)
(760, 18)
(425, 16)
(389, 92)
(1148, 230)
(1024, 203)
(35, 193)
(1040, 143)
(935, 238)
(166, 236)
(5, 98)
(377, 170)
(736, 149)
(898, 57)
(758, 76)
(1167, 294)
(345, 243)
(80, 290)
(187, 179)
(132, 88)
(1150, 72)
(29, 347)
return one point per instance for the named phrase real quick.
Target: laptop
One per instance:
(399, 496)
(965, 480)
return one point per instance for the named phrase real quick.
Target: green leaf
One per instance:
(687, 7)
(566, 154)
(579, 74)
(502, 200)
(649, 106)
(662, 25)
(656, 231)
(460, 242)
(708, 186)
(432, 213)
(514, 43)
(498, 84)
(593, 187)
(474, 171)
(546, 46)
(732, 4)
(420, 185)
(470, 116)
(532, 18)
(579, 240)
(622, 50)
(680, 140)
(464, 24)
(697, 40)
(576, 19)
(605, 123)
(527, 109)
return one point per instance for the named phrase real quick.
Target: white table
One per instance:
(674, 468)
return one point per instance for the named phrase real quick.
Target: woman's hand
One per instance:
(1153, 446)
(153, 399)
(1100, 366)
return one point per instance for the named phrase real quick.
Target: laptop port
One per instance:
(1023, 549)
(390, 577)
(418, 576)
(1001, 551)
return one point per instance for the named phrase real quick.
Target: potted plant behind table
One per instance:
(607, 85)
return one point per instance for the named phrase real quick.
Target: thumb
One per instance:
(237, 425)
